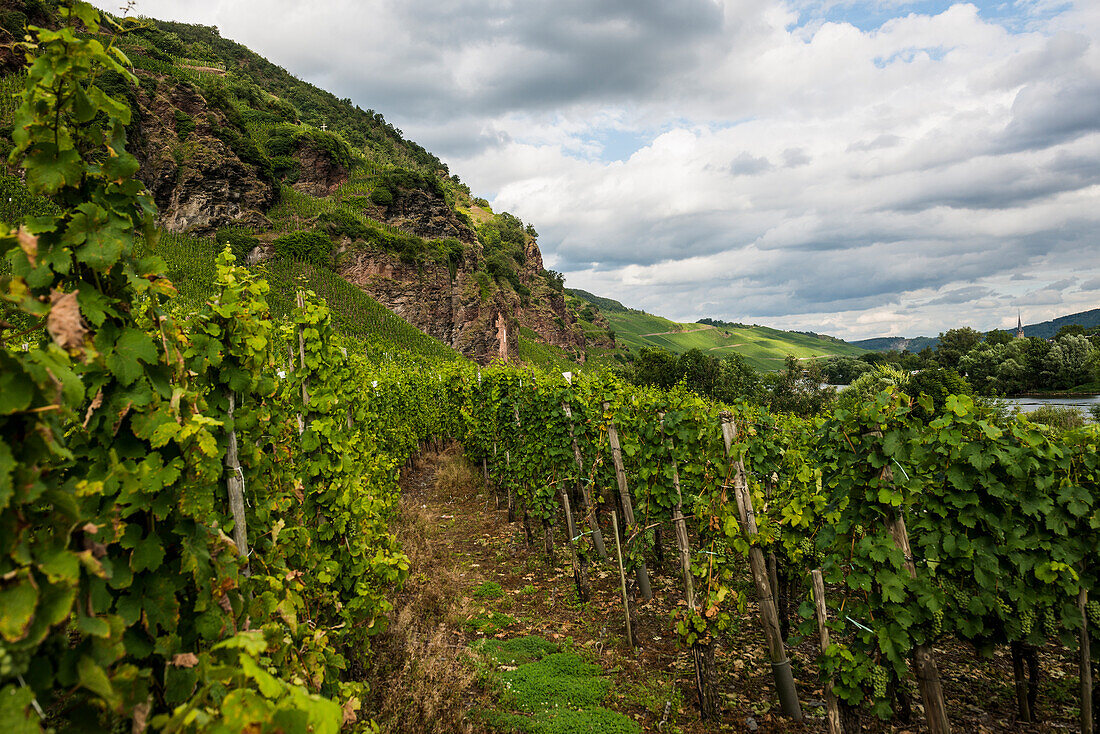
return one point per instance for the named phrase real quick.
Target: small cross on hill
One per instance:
(324, 127)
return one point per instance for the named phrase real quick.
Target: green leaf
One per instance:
(18, 598)
(60, 565)
(132, 347)
(269, 685)
(94, 678)
(16, 714)
(99, 238)
(252, 643)
(16, 389)
(50, 170)
(148, 555)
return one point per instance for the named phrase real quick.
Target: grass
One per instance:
(543, 356)
(762, 347)
(488, 590)
(517, 651)
(489, 622)
(546, 691)
(190, 263)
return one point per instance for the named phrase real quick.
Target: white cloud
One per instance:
(792, 169)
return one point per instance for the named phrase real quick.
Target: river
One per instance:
(1081, 402)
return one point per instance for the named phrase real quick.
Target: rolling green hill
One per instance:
(762, 347)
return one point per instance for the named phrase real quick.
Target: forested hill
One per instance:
(1042, 330)
(1047, 329)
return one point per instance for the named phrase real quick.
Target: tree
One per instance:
(737, 381)
(1069, 362)
(954, 343)
(844, 370)
(798, 389)
(656, 366)
(998, 336)
(700, 371)
(937, 383)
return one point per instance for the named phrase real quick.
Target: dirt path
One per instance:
(473, 577)
(705, 327)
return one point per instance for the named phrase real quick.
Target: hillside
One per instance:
(1042, 330)
(762, 347)
(236, 149)
(897, 343)
(1047, 329)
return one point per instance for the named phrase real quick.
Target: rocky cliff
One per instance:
(198, 181)
(461, 307)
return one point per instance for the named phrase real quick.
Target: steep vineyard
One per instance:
(197, 480)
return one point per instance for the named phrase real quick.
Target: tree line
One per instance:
(965, 362)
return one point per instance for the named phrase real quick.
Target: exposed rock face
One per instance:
(427, 216)
(198, 183)
(319, 175)
(455, 311)
(426, 297)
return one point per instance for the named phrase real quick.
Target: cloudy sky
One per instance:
(856, 167)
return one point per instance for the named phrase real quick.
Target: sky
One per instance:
(859, 168)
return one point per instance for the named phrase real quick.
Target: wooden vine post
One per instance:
(624, 496)
(580, 575)
(769, 617)
(706, 677)
(290, 371)
(508, 488)
(344, 351)
(234, 485)
(678, 523)
(585, 494)
(622, 581)
(1085, 663)
(832, 709)
(924, 663)
(302, 350)
(526, 517)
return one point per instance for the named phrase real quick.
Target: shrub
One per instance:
(286, 168)
(1094, 411)
(312, 247)
(343, 223)
(1059, 417)
(281, 141)
(484, 283)
(557, 281)
(499, 266)
(184, 124)
(382, 196)
(332, 144)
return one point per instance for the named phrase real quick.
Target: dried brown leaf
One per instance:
(93, 406)
(64, 322)
(29, 244)
(185, 660)
(349, 708)
(141, 716)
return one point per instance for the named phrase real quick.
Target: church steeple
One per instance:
(1019, 325)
